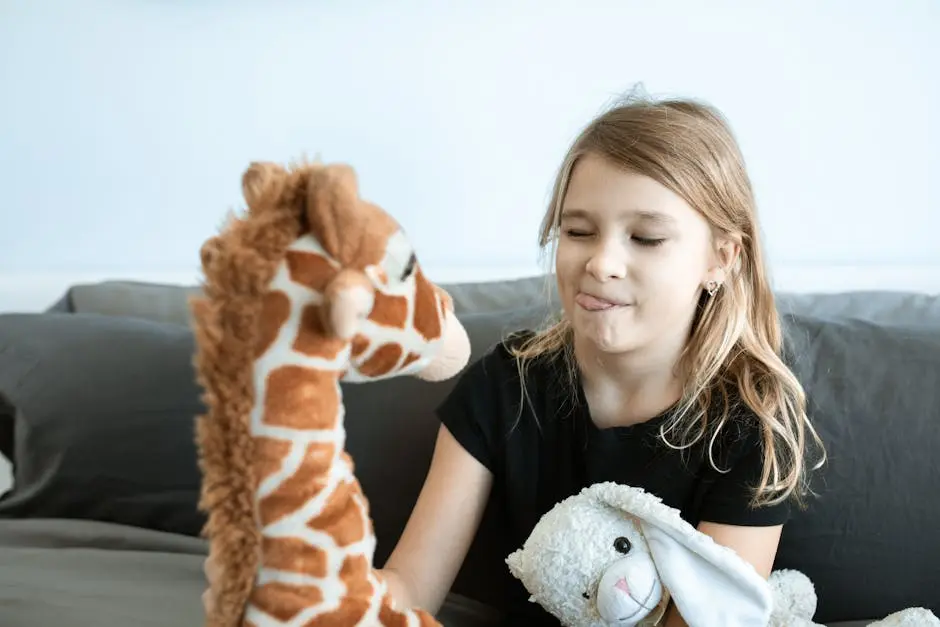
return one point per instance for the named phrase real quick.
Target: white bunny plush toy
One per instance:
(616, 555)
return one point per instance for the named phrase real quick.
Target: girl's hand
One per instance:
(212, 574)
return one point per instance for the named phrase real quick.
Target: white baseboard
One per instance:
(37, 291)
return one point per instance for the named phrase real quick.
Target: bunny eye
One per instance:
(586, 595)
(622, 545)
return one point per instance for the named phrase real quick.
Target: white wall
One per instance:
(125, 125)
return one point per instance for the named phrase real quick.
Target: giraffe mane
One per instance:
(238, 264)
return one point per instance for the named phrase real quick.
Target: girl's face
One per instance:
(632, 259)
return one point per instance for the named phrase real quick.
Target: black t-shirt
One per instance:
(544, 447)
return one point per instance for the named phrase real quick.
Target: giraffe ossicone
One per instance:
(312, 285)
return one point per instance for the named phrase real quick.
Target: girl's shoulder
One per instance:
(506, 356)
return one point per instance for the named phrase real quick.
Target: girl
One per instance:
(663, 370)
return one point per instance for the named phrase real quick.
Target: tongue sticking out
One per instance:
(594, 304)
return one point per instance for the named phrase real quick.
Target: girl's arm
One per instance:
(428, 556)
(757, 545)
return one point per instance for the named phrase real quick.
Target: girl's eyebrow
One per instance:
(643, 215)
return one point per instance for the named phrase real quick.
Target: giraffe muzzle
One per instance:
(453, 353)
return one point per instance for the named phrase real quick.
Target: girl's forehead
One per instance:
(599, 191)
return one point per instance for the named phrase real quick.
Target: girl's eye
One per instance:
(576, 234)
(649, 241)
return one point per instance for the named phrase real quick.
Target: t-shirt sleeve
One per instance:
(728, 501)
(472, 411)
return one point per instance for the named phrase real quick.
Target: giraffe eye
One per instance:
(409, 267)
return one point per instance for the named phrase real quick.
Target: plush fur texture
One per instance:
(310, 287)
(237, 266)
(575, 566)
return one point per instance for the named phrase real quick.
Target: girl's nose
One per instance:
(607, 262)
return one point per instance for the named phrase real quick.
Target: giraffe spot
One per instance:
(309, 269)
(382, 361)
(427, 315)
(354, 574)
(359, 344)
(389, 617)
(410, 358)
(299, 488)
(356, 601)
(342, 517)
(312, 338)
(389, 311)
(275, 309)
(301, 398)
(284, 601)
(294, 555)
(269, 454)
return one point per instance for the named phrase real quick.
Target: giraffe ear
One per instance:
(260, 179)
(332, 196)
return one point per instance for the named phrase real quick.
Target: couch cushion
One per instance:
(102, 426)
(869, 540)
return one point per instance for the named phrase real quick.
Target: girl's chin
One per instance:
(605, 338)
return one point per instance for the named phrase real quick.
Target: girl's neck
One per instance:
(629, 388)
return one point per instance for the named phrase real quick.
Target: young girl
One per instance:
(663, 371)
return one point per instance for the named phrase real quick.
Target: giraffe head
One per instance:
(352, 276)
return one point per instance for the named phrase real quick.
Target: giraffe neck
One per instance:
(316, 537)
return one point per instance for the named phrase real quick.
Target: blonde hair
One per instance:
(736, 340)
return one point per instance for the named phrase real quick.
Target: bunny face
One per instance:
(616, 555)
(588, 564)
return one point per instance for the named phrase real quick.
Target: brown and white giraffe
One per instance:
(312, 286)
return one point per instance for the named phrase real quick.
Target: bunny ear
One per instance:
(710, 584)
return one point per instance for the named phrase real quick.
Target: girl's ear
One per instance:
(726, 260)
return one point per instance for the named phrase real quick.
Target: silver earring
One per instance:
(711, 287)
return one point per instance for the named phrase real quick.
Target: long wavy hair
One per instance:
(735, 346)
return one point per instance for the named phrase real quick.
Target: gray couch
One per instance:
(870, 363)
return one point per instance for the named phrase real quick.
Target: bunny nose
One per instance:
(622, 585)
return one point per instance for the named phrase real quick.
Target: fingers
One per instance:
(211, 570)
(208, 602)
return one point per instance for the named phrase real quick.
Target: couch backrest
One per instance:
(869, 362)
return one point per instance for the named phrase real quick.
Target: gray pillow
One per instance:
(102, 417)
(869, 541)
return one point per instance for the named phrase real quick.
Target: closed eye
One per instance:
(409, 267)
(642, 241)
(576, 234)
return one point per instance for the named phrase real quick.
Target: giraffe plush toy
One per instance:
(312, 286)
